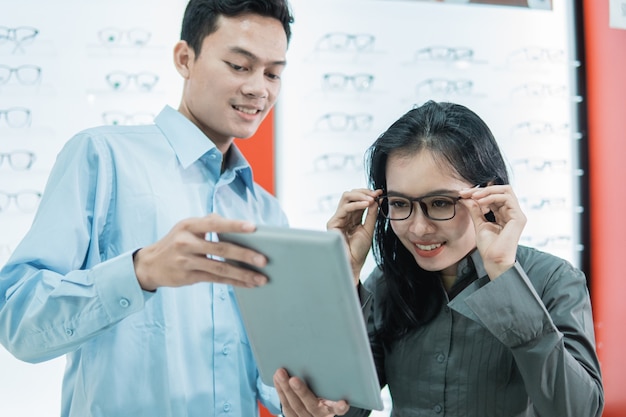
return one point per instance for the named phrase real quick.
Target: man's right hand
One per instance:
(183, 256)
(297, 400)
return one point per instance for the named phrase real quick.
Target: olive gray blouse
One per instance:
(519, 346)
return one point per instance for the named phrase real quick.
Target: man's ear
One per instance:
(183, 58)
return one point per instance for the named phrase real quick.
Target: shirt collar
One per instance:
(190, 144)
(239, 164)
(187, 140)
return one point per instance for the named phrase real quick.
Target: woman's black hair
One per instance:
(458, 138)
(201, 16)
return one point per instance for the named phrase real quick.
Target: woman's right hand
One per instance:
(357, 230)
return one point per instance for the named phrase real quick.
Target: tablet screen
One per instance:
(307, 318)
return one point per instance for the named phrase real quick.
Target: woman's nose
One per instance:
(418, 222)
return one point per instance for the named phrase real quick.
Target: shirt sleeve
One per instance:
(269, 398)
(550, 335)
(55, 291)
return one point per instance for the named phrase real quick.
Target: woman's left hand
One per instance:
(496, 241)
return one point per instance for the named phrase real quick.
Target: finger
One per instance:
(215, 223)
(475, 211)
(281, 383)
(349, 213)
(233, 252)
(338, 408)
(370, 218)
(493, 199)
(479, 193)
(205, 261)
(291, 401)
(348, 216)
(504, 206)
(358, 194)
(225, 272)
(314, 405)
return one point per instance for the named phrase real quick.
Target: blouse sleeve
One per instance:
(546, 321)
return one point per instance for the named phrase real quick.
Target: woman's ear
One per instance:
(184, 57)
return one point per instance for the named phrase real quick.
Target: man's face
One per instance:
(234, 82)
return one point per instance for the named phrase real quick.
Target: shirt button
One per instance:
(441, 357)
(437, 408)
(69, 332)
(225, 350)
(222, 294)
(124, 302)
(226, 407)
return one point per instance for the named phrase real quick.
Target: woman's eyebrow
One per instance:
(440, 191)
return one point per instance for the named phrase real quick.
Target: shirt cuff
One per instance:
(118, 288)
(510, 308)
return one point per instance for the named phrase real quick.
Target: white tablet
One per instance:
(307, 318)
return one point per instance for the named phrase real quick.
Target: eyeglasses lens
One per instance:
(436, 207)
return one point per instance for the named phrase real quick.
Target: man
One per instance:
(121, 271)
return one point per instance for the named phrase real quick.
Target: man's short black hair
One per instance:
(200, 19)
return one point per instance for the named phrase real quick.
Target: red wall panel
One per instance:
(259, 151)
(605, 58)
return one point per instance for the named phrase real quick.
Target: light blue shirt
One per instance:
(70, 286)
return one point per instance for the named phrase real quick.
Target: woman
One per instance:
(462, 320)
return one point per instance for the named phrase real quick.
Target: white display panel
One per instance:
(355, 66)
(55, 57)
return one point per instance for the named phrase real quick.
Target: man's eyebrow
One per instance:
(241, 51)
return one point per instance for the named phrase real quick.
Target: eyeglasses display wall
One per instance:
(69, 65)
(64, 66)
(350, 77)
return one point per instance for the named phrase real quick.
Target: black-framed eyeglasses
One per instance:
(434, 207)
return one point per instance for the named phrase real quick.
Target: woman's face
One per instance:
(435, 245)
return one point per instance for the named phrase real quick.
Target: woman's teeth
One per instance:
(428, 247)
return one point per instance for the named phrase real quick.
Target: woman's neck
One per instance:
(448, 281)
